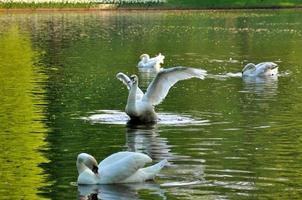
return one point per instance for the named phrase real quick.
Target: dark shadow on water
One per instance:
(120, 117)
(137, 123)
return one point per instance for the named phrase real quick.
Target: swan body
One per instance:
(140, 106)
(121, 167)
(151, 63)
(261, 69)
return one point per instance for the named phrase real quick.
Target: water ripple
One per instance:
(119, 117)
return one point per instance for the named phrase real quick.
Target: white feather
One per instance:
(120, 166)
(261, 69)
(165, 79)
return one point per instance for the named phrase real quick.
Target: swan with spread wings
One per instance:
(140, 106)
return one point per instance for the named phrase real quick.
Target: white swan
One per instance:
(151, 63)
(141, 107)
(261, 69)
(121, 167)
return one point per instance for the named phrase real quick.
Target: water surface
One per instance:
(224, 137)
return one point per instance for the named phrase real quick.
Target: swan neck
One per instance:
(132, 94)
(81, 167)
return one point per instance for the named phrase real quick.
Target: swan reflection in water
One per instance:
(146, 76)
(118, 191)
(266, 87)
(148, 141)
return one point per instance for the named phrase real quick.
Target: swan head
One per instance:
(88, 161)
(144, 57)
(134, 79)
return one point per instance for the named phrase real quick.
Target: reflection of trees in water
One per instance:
(257, 101)
(148, 141)
(22, 128)
(119, 191)
(235, 32)
(84, 44)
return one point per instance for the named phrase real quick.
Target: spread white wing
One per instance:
(127, 81)
(165, 79)
(121, 165)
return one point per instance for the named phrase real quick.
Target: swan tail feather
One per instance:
(151, 171)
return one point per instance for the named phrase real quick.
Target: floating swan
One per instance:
(121, 167)
(151, 63)
(261, 69)
(140, 107)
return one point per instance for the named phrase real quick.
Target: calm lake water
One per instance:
(225, 138)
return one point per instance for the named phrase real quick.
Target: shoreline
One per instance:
(89, 6)
(94, 9)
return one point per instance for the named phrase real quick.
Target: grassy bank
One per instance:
(13, 5)
(223, 4)
(160, 4)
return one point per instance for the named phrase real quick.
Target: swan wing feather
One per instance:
(265, 66)
(165, 79)
(158, 59)
(121, 165)
(148, 64)
(249, 68)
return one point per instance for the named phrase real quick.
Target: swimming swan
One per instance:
(140, 106)
(261, 69)
(151, 63)
(121, 167)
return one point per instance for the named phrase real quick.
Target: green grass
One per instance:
(170, 4)
(19, 5)
(46, 5)
(233, 3)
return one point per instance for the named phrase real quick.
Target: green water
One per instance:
(225, 138)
